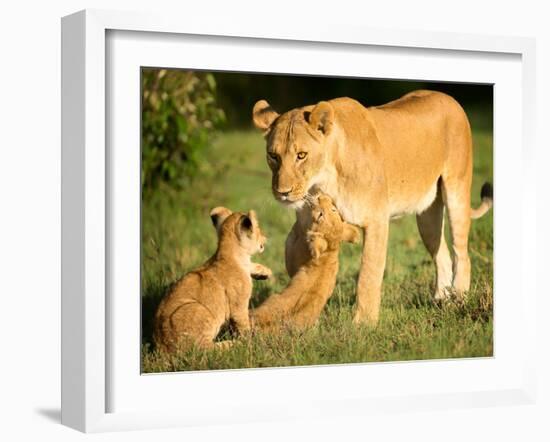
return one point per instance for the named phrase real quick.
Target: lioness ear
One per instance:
(351, 233)
(322, 117)
(263, 115)
(218, 215)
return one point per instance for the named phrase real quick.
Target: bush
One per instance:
(179, 117)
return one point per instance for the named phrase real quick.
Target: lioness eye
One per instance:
(301, 155)
(273, 156)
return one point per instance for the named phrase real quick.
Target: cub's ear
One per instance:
(324, 199)
(246, 224)
(263, 115)
(218, 215)
(253, 217)
(322, 117)
(351, 233)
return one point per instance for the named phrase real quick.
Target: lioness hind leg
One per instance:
(432, 231)
(457, 201)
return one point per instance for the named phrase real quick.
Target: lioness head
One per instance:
(295, 147)
(327, 228)
(240, 227)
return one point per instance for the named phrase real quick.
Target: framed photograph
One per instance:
(283, 223)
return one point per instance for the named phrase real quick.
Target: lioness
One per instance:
(300, 304)
(198, 305)
(412, 155)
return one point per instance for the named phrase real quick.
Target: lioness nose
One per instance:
(284, 192)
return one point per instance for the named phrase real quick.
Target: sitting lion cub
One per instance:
(203, 300)
(301, 303)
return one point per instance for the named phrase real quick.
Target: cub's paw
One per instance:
(317, 244)
(260, 272)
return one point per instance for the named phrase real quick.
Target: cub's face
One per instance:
(326, 220)
(249, 233)
(327, 228)
(241, 227)
(294, 147)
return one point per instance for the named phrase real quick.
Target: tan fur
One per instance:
(412, 155)
(199, 304)
(301, 303)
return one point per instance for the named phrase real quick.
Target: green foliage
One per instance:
(238, 92)
(179, 116)
(178, 236)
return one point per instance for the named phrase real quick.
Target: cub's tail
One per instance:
(486, 202)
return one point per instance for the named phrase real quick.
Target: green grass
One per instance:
(177, 235)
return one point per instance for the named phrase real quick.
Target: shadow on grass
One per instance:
(261, 292)
(150, 300)
(416, 295)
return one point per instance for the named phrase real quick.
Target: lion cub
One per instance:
(301, 303)
(198, 305)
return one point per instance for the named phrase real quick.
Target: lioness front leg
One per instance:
(371, 274)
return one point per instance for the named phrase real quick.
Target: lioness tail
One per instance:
(486, 202)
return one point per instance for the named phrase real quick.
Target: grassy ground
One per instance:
(177, 235)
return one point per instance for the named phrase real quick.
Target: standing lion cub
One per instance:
(301, 303)
(199, 304)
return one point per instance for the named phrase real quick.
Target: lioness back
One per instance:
(420, 134)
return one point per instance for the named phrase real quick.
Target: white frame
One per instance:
(84, 202)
